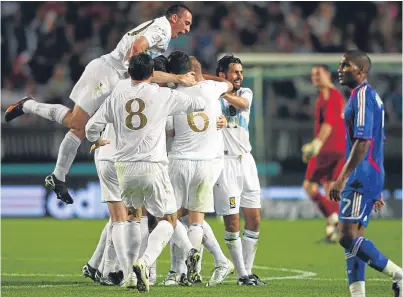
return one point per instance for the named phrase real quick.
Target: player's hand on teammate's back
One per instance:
(188, 79)
(379, 204)
(222, 122)
(100, 142)
(335, 190)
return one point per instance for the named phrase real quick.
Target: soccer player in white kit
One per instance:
(193, 149)
(102, 265)
(96, 84)
(238, 186)
(139, 113)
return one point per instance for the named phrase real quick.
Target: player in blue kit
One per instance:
(360, 182)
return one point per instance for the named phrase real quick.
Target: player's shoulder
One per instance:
(244, 92)
(367, 91)
(162, 22)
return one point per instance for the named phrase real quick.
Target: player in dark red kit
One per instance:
(325, 154)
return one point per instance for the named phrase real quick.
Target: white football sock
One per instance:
(195, 234)
(393, 271)
(173, 252)
(51, 112)
(157, 240)
(110, 258)
(119, 233)
(67, 153)
(144, 235)
(357, 289)
(234, 244)
(96, 257)
(212, 245)
(133, 241)
(180, 237)
(199, 264)
(101, 267)
(249, 246)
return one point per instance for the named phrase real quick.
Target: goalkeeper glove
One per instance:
(311, 149)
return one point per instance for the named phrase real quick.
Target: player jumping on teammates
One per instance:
(325, 154)
(361, 180)
(96, 84)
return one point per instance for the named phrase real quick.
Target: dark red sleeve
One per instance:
(333, 107)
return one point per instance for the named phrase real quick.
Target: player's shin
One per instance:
(144, 234)
(118, 237)
(212, 245)
(67, 153)
(195, 232)
(355, 275)
(157, 240)
(99, 251)
(234, 245)
(51, 112)
(249, 247)
(366, 251)
(133, 240)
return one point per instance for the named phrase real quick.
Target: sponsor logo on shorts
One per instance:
(232, 202)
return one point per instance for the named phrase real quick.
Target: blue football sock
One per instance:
(367, 252)
(355, 268)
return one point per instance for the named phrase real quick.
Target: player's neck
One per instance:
(136, 82)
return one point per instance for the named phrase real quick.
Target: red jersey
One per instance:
(329, 109)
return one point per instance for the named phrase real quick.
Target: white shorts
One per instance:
(193, 184)
(146, 184)
(109, 182)
(94, 86)
(218, 165)
(238, 186)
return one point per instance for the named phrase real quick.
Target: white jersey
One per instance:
(236, 134)
(105, 153)
(220, 141)
(196, 136)
(157, 33)
(139, 113)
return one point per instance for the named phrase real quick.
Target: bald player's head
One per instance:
(353, 68)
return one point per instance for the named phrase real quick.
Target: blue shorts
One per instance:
(355, 208)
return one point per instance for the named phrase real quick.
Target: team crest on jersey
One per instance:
(232, 202)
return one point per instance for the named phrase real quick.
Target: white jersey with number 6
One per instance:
(196, 136)
(139, 113)
(157, 33)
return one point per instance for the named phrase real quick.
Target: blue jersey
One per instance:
(364, 119)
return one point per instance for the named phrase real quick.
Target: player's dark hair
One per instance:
(179, 63)
(224, 62)
(324, 67)
(176, 9)
(161, 63)
(360, 59)
(141, 66)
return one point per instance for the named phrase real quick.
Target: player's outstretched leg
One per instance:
(365, 250)
(28, 105)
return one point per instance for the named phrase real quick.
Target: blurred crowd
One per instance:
(45, 46)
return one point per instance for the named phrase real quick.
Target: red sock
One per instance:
(325, 206)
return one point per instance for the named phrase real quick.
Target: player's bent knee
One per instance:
(171, 218)
(310, 188)
(117, 211)
(346, 240)
(79, 133)
(78, 118)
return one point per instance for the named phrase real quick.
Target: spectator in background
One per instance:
(59, 86)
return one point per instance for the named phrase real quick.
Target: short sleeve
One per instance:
(364, 114)
(248, 95)
(156, 36)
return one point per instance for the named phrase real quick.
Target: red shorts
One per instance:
(324, 167)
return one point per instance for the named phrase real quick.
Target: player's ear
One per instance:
(221, 74)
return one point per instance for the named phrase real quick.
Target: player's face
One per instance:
(235, 75)
(180, 23)
(315, 76)
(348, 72)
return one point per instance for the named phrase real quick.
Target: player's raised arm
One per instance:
(187, 79)
(181, 103)
(230, 86)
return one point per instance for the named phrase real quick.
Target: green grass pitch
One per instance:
(43, 257)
